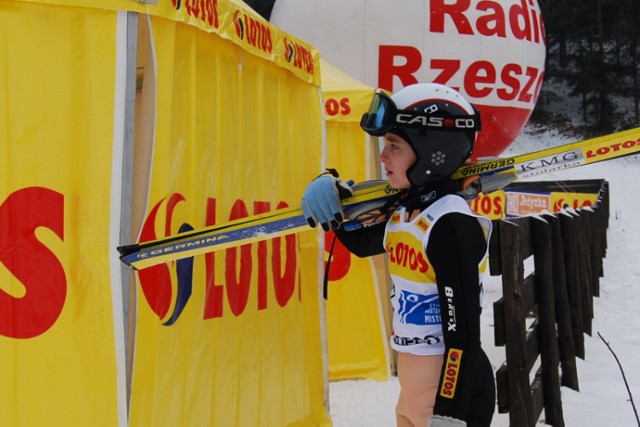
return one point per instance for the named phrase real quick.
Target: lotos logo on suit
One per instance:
(451, 372)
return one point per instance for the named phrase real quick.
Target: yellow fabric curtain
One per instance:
(57, 79)
(232, 337)
(355, 322)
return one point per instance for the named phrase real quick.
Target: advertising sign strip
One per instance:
(232, 20)
(521, 203)
(238, 23)
(562, 200)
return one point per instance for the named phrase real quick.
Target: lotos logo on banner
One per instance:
(168, 287)
(298, 55)
(333, 106)
(253, 31)
(205, 11)
(167, 296)
(490, 205)
(493, 52)
(561, 200)
(32, 300)
(340, 256)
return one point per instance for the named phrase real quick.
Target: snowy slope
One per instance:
(603, 399)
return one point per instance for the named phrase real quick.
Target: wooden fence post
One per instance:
(571, 242)
(520, 405)
(566, 347)
(547, 337)
(585, 237)
(597, 268)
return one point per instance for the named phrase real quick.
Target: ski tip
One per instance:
(128, 249)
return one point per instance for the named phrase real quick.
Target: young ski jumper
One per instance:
(437, 251)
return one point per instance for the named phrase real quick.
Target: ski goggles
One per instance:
(383, 115)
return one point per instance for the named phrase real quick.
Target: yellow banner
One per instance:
(346, 99)
(491, 205)
(356, 338)
(232, 20)
(230, 338)
(562, 200)
(57, 73)
(497, 205)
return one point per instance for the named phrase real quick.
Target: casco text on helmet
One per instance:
(439, 152)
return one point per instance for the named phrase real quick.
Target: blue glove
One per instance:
(321, 201)
(441, 421)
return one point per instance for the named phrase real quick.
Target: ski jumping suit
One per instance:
(436, 262)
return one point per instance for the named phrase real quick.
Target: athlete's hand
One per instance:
(321, 201)
(441, 421)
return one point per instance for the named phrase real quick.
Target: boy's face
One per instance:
(397, 156)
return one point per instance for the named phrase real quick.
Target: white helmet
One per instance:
(437, 122)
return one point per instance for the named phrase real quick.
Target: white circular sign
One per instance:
(493, 52)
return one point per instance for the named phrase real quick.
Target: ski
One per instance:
(551, 159)
(487, 176)
(245, 230)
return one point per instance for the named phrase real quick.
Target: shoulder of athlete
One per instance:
(459, 233)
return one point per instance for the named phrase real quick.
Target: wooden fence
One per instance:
(544, 313)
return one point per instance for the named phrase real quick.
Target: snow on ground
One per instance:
(603, 399)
